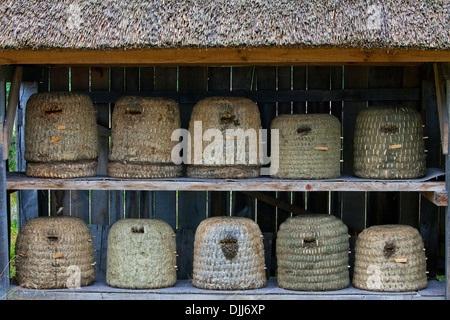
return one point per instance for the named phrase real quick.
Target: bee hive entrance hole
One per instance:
(137, 230)
(52, 238)
(309, 242)
(389, 249)
(133, 111)
(229, 119)
(229, 246)
(51, 110)
(303, 131)
(390, 129)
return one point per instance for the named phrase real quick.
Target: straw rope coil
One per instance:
(388, 144)
(141, 143)
(61, 139)
(228, 254)
(54, 253)
(141, 254)
(222, 114)
(309, 146)
(312, 253)
(390, 258)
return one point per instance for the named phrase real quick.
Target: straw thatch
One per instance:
(83, 24)
(228, 254)
(141, 254)
(390, 258)
(53, 253)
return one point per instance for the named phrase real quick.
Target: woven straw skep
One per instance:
(228, 254)
(141, 143)
(390, 258)
(312, 253)
(388, 144)
(54, 253)
(309, 146)
(226, 113)
(61, 139)
(141, 254)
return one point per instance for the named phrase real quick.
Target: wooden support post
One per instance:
(4, 241)
(11, 111)
(442, 110)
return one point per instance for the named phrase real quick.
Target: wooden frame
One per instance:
(210, 57)
(223, 56)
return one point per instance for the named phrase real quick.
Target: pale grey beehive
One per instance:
(141, 254)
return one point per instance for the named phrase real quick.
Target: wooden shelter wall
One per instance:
(184, 210)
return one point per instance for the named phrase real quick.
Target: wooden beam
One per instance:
(11, 110)
(264, 197)
(19, 181)
(223, 56)
(441, 106)
(438, 198)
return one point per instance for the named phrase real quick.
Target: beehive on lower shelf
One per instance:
(228, 254)
(141, 254)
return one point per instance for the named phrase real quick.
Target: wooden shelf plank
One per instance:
(183, 288)
(19, 181)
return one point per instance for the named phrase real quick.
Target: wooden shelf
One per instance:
(429, 186)
(183, 289)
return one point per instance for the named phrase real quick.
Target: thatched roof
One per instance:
(110, 24)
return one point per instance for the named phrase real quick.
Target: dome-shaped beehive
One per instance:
(223, 117)
(228, 254)
(390, 258)
(312, 253)
(54, 253)
(141, 145)
(61, 139)
(388, 144)
(309, 146)
(141, 254)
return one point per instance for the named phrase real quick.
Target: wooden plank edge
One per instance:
(293, 55)
(25, 183)
(439, 198)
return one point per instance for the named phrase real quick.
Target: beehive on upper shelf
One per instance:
(61, 139)
(231, 154)
(141, 142)
(309, 146)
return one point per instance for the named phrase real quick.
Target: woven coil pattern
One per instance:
(222, 114)
(390, 258)
(228, 254)
(388, 144)
(54, 253)
(312, 253)
(141, 145)
(141, 254)
(61, 139)
(309, 146)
